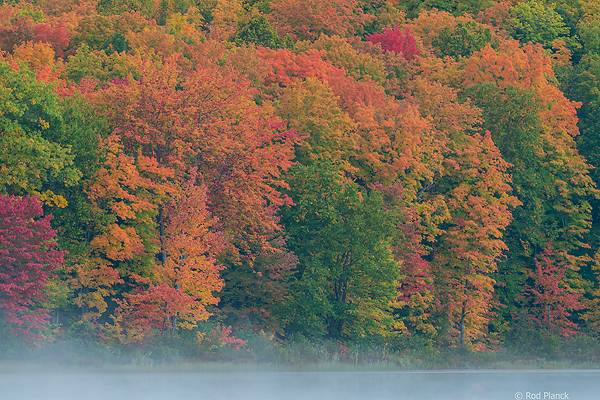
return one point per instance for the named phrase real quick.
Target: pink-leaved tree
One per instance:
(397, 41)
(553, 299)
(27, 258)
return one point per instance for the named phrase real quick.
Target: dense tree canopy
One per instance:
(342, 169)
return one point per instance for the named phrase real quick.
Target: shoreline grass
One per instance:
(264, 353)
(111, 361)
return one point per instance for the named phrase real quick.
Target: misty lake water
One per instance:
(405, 385)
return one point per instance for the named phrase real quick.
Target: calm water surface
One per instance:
(442, 385)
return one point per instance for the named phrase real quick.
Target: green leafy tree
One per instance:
(85, 63)
(462, 40)
(573, 13)
(94, 30)
(311, 108)
(386, 13)
(110, 7)
(32, 159)
(456, 7)
(534, 21)
(584, 86)
(255, 28)
(347, 274)
(589, 31)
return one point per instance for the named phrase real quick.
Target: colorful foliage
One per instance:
(308, 19)
(27, 258)
(305, 167)
(553, 300)
(393, 39)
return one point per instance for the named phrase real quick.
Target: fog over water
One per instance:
(443, 385)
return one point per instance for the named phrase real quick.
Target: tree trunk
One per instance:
(161, 224)
(174, 324)
(463, 314)
(87, 233)
(340, 287)
(174, 319)
(163, 261)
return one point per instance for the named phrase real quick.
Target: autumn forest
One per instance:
(398, 172)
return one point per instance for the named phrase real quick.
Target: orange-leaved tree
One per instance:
(182, 140)
(472, 184)
(534, 126)
(307, 19)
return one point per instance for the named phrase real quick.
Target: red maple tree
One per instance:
(552, 298)
(397, 41)
(27, 258)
